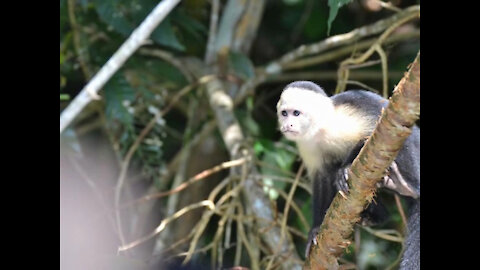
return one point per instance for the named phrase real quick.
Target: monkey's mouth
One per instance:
(289, 132)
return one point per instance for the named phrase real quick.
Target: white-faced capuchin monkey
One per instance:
(329, 133)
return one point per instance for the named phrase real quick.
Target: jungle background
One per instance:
(150, 173)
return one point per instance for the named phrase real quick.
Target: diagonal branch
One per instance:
(393, 128)
(136, 39)
(339, 40)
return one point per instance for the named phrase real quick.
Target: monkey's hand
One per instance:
(394, 180)
(312, 239)
(341, 180)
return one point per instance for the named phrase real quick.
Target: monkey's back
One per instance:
(369, 102)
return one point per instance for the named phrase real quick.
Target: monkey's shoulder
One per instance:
(365, 101)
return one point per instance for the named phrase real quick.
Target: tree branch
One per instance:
(295, 58)
(136, 39)
(367, 169)
(339, 40)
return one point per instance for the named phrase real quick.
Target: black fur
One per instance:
(411, 256)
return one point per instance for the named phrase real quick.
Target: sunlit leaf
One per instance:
(64, 97)
(273, 157)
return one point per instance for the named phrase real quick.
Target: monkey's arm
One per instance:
(341, 177)
(323, 193)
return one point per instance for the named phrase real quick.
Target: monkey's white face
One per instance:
(303, 113)
(293, 123)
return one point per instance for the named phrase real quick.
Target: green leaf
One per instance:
(165, 35)
(117, 92)
(64, 23)
(191, 26)
(335, 5)
(116, 14)
(258, 148)
(126, 15)
(248, 122)
(64, 97)
(241, 65)
(165, 71)
(276, 157)
(154, 72)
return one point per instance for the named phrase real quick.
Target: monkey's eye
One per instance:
(296, 113)
(284, 113)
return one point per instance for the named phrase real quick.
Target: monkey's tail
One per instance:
(411, 256)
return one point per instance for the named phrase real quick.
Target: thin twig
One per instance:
(331, 75)
(186, 153)
(343, 70)
(129, 155)
(136, 39)
(206, 218)
(383, 58)
(243, 237)
(400, 210)
(294, 205)
(365, 64)
(196, 178)
(201, 225)
(345, 50)
(173, 165)
(219, 232)
(386, 234)
(174, 245)
(285, 212)
(364, 86)
(303, 184)
(136, 144)
(210, 53)
(388, 5)
(290, 199)
(165, 222)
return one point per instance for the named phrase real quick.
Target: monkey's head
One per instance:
(303, 110)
